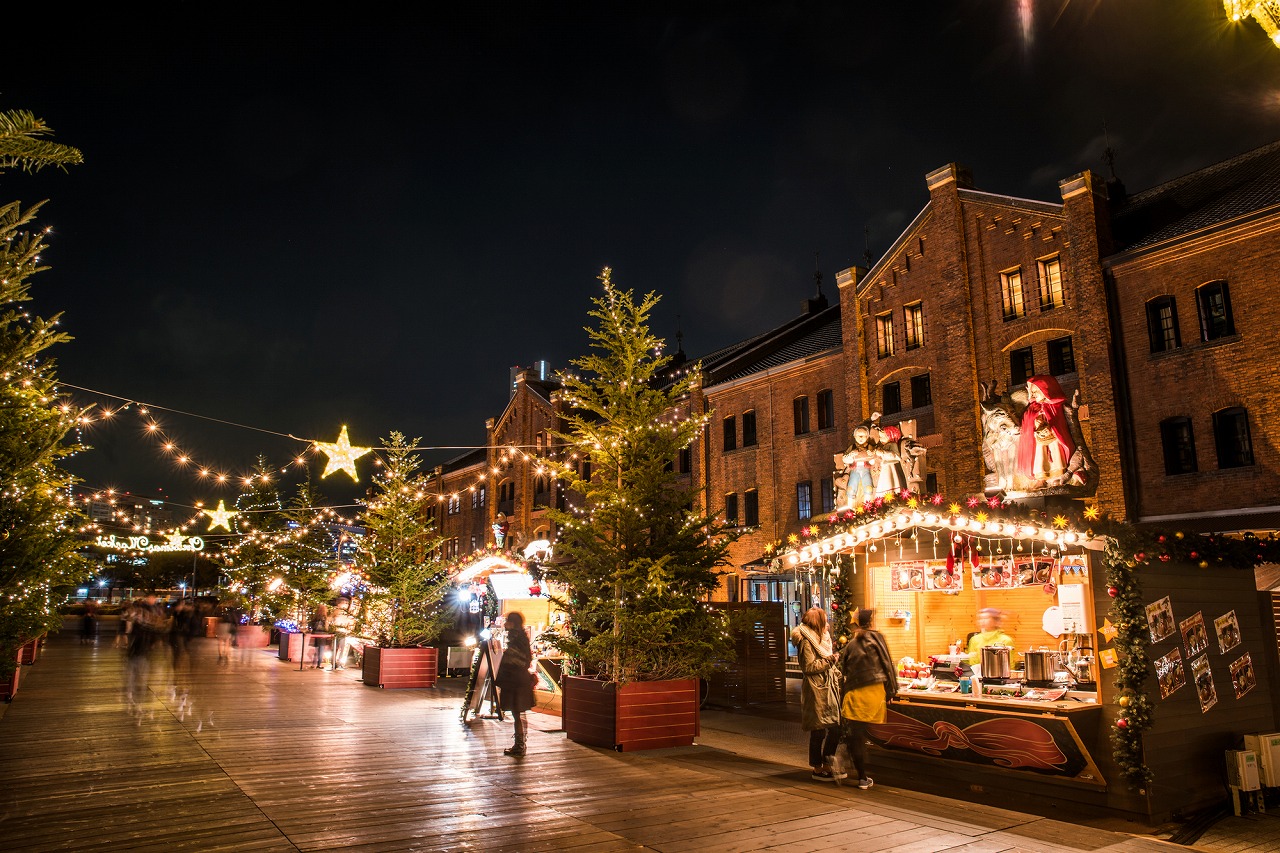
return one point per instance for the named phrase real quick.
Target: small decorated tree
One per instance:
(253, 565)
(306, 551)
(38, 516)
(637, 559)
(400, 555)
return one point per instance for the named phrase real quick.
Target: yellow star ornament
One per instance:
(220, 517)
(175, 539)
(342, 456)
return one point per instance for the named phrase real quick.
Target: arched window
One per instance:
(1179, 445)
(1162, 324)
(1231, 437)
(1214, 303)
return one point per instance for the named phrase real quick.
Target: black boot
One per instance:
(516, 749)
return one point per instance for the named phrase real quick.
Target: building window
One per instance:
(475, 498)
(800, 411)
(731, 509)
(482, 493)
(541, 491)
(804, 500)
(540, 443)
(431, 514)
(1050, 284)
(827, 487)
(891, 398)
(826, 409)
(1179, 446)
(1022, 366)
(1214, 302)
(914, 316)
(586, 470)
(1062, 358)
(455, 504)
(884, 334)
(1011, 294)
(685, 460)
(473, 541)
(921, 391)
(1231, 437)
(751, 508)
(1162, 324)
(730, 434)
(749, 428)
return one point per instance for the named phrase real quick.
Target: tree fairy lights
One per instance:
(1265, 12)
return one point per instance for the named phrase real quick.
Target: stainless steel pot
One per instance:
(995, 663)
(1042, 664)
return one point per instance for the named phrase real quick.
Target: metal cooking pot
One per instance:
(1041, 664)
(995, 662)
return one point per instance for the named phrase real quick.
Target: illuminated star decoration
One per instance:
(220, 517)
(342, 456)
(1108, 631)
(175, 539)
(1091, 513)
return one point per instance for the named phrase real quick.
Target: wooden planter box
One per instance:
(251, 637)
(30, 651)
(396, 668)
(638, 715)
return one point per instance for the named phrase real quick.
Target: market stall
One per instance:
(1025, 642)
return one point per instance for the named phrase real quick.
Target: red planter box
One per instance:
(290, 646)
(396, 668)
(29, 651)
(252, 637)
(638, 715)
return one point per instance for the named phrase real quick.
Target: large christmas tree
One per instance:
(37, 512)
(400, 554)
(636, 557)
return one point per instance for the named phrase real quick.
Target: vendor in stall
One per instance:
(989, 633)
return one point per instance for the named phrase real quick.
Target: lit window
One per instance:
(1011, 294)
(455, 504)
(1050, 284)
(914, 316)
(884, 334)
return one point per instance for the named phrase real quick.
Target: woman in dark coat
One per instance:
(870, 681)
(515, 679)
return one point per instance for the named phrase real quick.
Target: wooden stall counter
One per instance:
(1052, 741)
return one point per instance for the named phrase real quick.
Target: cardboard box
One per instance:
(1267, 748)
(1242, 769)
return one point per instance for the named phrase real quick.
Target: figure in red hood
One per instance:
(1045, 445)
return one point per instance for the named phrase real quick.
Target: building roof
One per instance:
(814, 332)
(1217, 193)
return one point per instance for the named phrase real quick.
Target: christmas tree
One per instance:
(306, 554)
(400, 555)
(252, 562)
(638, 561)
(38, 516)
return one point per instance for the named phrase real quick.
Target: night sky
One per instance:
(288, 224)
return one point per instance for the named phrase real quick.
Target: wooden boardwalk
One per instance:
(258, 756)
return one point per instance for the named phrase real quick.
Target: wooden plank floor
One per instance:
(257, 756)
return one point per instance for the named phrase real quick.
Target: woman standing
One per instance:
(515, 679)
(870, 681)
(819, 692)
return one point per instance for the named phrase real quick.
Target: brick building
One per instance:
(767, 459)
(1195, 282)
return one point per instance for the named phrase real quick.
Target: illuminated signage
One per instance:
(173, 542)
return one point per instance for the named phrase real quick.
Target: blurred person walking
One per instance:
(870, 682)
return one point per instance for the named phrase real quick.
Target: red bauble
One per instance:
(1195, 555)
(1164, 558)
(1112, 591)
(1122, 723)
(1161, 539)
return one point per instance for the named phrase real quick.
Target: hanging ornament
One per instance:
(1124, 701)
(341, 455)
(961, 550)
(1112, 591)
(1122, 723)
